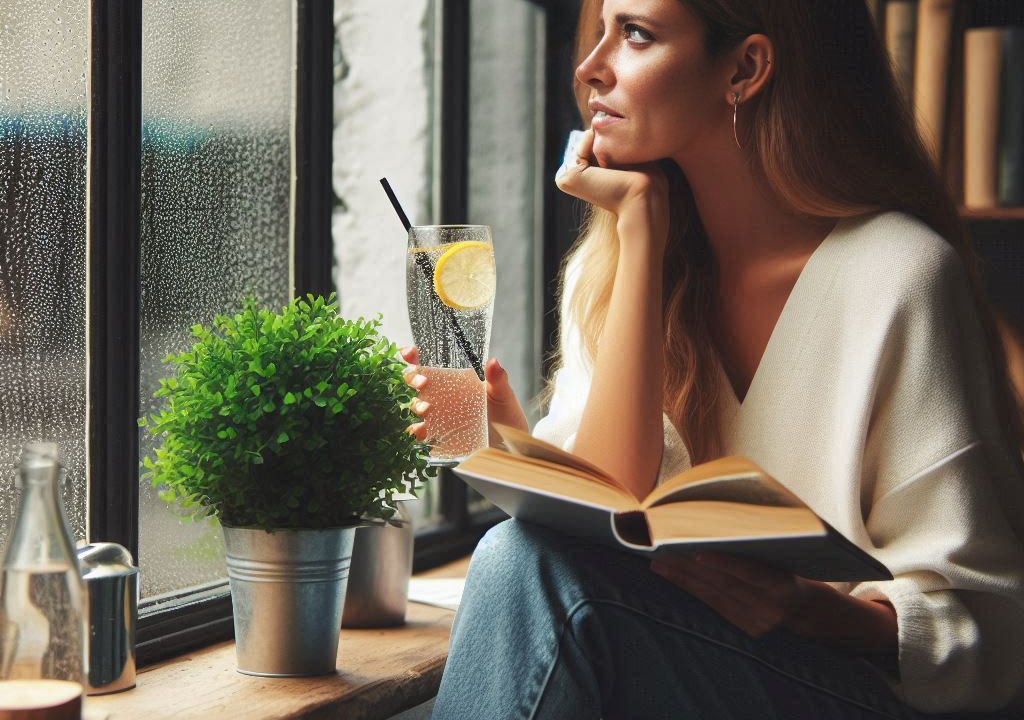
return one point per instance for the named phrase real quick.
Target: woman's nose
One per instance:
(595, 70)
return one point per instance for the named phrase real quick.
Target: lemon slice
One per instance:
(465, 276)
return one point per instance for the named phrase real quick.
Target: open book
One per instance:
(726, 505)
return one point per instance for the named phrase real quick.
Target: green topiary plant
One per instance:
(294, 419)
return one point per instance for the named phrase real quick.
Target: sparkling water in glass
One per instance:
(450, 284)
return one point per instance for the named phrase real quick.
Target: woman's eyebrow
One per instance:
(623, 18)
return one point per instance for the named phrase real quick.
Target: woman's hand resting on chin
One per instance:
(634, 194)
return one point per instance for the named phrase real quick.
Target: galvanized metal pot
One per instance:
(378, 583)
(288, 591)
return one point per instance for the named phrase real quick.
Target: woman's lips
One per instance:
(603, 120)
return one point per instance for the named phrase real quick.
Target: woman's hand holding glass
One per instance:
(502, 404)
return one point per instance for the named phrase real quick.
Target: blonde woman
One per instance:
(771, 268)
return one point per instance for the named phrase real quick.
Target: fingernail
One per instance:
(418, 381)
(421, 406)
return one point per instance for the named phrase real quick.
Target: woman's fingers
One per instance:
(420, 407)
(741, 604)
(414, 379)
(418, 430)
(756, 574)
(411, 354)
(611, 189)
(412, 375)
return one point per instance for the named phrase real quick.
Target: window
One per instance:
(42, 234)
(215, 205)
(206, 150)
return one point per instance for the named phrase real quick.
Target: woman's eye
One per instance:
(636, 34)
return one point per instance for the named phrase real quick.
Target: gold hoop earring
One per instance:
(735, 110)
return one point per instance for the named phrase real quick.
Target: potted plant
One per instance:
(291, 429)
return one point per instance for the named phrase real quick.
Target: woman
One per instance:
(771, 268)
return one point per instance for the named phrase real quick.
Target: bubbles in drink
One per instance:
(456, 422)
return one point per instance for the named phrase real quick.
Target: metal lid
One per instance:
(105, 559)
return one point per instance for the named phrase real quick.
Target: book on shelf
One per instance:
(1010, 183)
(983, 51)
(931, 71)
(726, 505)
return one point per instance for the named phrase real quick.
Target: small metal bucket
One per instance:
(288, 591)
(378, 585)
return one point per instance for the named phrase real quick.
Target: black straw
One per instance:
(396, 205)
(428, 272)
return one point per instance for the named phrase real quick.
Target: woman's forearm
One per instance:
(621, 428)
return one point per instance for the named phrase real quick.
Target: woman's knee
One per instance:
(512, 543)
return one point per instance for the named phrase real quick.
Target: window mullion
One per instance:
(312, 123)
(112, 242)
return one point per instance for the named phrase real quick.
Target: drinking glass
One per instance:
(450, 284)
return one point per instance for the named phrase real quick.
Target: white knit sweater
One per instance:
(872, 402)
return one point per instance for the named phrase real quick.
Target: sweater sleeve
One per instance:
(943, 497)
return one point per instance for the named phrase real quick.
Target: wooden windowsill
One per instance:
(381, 671)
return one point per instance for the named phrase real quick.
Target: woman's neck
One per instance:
(748, 225)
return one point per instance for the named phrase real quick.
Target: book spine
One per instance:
(983, 49)
(931, 72)
(900, 32)
(1011, 121)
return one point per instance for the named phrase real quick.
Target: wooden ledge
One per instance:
(381, 671)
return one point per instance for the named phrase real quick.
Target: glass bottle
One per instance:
(42, 596)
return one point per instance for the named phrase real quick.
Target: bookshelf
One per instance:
(965, 102)
(971, 214)
(938, 29)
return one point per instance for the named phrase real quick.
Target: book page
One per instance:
(711, 519)
(732, 478)
(525, 444)
(538, 474)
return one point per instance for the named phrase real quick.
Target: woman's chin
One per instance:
(619, 154)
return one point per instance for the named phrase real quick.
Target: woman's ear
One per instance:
(753, 66)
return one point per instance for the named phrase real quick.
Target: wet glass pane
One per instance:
(217, 92)
(42, 241)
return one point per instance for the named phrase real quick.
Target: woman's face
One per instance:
(663, 94)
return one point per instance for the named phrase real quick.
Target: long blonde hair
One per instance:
(833, 88)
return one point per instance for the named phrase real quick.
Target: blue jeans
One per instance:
(552, 627)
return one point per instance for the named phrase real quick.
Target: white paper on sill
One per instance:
(442, 592)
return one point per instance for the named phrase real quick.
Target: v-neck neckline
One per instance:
(780, 330)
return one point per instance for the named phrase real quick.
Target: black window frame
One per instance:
(202, 615)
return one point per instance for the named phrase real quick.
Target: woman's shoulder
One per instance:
(898, 256)
(897, 241)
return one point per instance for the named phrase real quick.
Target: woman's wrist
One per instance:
(643, 225)
(842, 619)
